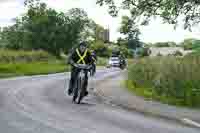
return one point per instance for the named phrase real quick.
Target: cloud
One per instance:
(3, 1)
(98, 14)
(10, 9)
(156, 31)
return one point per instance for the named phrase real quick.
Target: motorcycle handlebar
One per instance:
(82, 66)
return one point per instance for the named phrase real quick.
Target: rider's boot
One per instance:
(86, 93)
(70, 91)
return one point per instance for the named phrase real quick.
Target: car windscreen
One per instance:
(114, 59)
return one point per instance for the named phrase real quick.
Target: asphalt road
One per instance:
(38, 105)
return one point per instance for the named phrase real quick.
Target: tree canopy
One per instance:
(129, 28)
(169, 10)
(44, 28)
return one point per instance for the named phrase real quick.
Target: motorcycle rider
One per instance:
(122, 60)
(80, 55)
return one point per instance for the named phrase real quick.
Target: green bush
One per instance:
(33, 68)
(11, 56)
(101, 61)
(126, 52)
(106, 50)
(161, 44)
(101, 49)
(145, 52)
(195, 52)
(165, 44)
(191, 44)
(176, 80)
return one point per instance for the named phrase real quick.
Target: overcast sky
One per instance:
(155, 32)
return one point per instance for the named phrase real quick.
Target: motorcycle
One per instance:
(79, 90)
(122, 64)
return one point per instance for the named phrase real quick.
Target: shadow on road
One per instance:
(87, 104)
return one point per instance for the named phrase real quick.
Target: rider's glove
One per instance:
(75, 65)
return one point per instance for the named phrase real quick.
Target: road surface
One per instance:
(38, 105)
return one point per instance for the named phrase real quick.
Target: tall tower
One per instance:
(107, 34)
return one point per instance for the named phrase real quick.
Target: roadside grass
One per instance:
(102, 61)
(170, 80)
(20, 63)
(15, 56)
(33, 68)
(36, 68)
(150, 94)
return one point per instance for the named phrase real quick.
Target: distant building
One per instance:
(167, 51)
(107, 35)
(104, 35)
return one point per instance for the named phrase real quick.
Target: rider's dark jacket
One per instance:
(81, 58)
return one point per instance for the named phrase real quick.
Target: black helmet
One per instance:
(83, 44)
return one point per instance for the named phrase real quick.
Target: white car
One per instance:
(113, 62)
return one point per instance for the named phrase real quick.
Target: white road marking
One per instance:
(190, 122)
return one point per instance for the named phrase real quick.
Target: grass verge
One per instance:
(150, 94)
(36, 68)
(167, 79)
(102, 61)
(20, 63)
(33, 68)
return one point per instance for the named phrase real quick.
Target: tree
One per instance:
(100, 48)
(44, 28)
(99, 31)
(88, 33)
(134, 43)
(169, 10)
(122, 42)
(12, 37)
(80, 22)
(130, 29)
